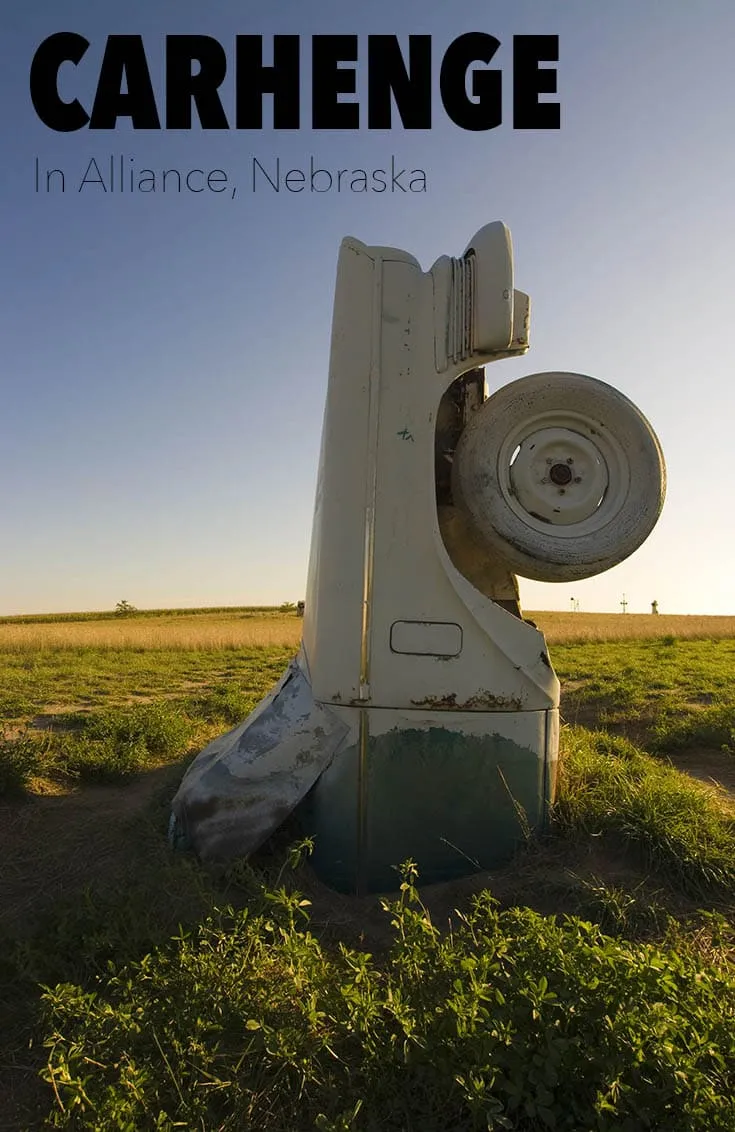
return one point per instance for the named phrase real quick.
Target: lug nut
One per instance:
(560, 475)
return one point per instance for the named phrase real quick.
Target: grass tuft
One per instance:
(609, 787)
(712, 726)
(20, 759)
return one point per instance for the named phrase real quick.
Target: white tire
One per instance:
(562, 476)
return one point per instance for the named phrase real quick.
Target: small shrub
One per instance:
(101, 760)
(160, 726)
(20, 759)
(115, 743)
(510, 1021)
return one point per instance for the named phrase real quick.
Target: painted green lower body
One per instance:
(455, 803)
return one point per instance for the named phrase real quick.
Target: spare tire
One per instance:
(561, 475)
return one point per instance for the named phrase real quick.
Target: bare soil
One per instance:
(53, 845)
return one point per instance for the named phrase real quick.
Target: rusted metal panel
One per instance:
(244, 785)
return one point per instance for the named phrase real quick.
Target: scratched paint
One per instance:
(482, 700)
(243, 786)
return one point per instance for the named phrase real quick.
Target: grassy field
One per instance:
(243, 628)
(570, 627)
(590, 984)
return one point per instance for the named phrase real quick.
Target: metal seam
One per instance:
(367, 590)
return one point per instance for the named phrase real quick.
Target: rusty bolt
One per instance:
(560, 475)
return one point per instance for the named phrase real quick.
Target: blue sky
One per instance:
(164, 358)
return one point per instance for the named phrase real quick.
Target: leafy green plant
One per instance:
(510, 1021)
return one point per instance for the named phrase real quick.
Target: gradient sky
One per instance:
(164, 359)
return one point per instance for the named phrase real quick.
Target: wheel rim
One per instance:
(563, 469)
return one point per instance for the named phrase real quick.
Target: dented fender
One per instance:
(244, 784)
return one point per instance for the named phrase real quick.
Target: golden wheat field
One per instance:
(234, 630)
(198, 631)
(563, 627)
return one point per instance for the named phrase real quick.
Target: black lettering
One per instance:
(52, 173)
(529, 81)
(315, 173)
(379, 183)
(299, 177)
(221, 180)
(124, 60)
(63, 47)
(184, 87)
(484, 110)
(410, 87)
(395, 178)
(282, 80)
(88, 179)
(189, 185)
(330, 80)
(273, 184)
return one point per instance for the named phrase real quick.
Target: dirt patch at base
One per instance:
(715, 768)
(55, 845)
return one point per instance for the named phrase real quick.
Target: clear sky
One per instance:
(164, 358)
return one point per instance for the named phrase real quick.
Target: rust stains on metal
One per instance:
(480, 701)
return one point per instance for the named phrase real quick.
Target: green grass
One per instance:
(610, 789)
(98, 677)
(20, 759)
(668, 695)
(592, 986)
(512, 1021)
(112, 729)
